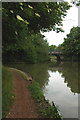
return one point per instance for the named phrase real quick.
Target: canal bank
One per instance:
(59, 83)
(40, 108)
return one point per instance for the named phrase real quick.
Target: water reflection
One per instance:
(70, 71)
(39, 72)
(59, 83)
(57, 91)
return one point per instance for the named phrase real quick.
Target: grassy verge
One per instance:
(44, 108)
(7, 91)
(20, 73)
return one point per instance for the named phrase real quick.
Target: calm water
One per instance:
(59, 83)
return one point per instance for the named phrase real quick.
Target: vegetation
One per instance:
(52, 48)
(53, 60)
(22, 23)
(36, 91)
(51, 112)
(71, 72)
(76, 2)
(20, 73)
(44, 14)
(45, 109)
(71, 45)
(32, 50)
(34, 70)
(7, 91)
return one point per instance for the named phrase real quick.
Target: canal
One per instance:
(59, 83)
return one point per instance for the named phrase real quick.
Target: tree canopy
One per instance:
(52, 48)
(71, 44)
(22, 23)
(37, 15)
(76, 2)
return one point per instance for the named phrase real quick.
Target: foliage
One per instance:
(45, 109)
(39, 72)
(52, 48)
(76, 2)
(51, 112)
(70, 71)
(36, 91)
(71, 44)
(22, 23)
(7, 91)
(59, 48)
(31, 50)
(20, 73)
(53, 60)
(37, 15)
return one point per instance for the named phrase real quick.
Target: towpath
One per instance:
(24, 106)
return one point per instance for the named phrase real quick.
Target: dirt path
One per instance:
(24, 106)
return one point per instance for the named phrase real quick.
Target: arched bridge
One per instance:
(57, 54)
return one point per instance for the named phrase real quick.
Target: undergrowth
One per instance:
(44, 107)
(36, 91)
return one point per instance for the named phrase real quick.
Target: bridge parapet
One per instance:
(55, 53)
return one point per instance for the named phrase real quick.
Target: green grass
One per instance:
(51, 112)
(20, 73)
(36, 91)
(44, 108)
(23, 76)
(7, 91)
(53, 57)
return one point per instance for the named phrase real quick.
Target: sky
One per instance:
(71, 20)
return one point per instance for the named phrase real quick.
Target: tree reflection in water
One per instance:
(70, 71)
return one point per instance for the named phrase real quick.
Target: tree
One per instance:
(76, 2)
(71, 44)
(52, 48)
(22, 22)
(38, 15)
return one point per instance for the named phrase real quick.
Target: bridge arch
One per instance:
(57, 54)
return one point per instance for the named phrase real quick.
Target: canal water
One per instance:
(59, 83)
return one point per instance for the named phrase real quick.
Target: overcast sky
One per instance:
(71, 20)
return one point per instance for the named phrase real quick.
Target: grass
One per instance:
(44, 108)
(51, 112)
(36, 91)
(7, 91)
(20, 73)
(53, 57)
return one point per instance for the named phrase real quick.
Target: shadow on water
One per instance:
(39, 72)
(63, 88)
(67, 78)
(70, 72)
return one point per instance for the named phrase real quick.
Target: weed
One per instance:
(36, 91)
(45, 109)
